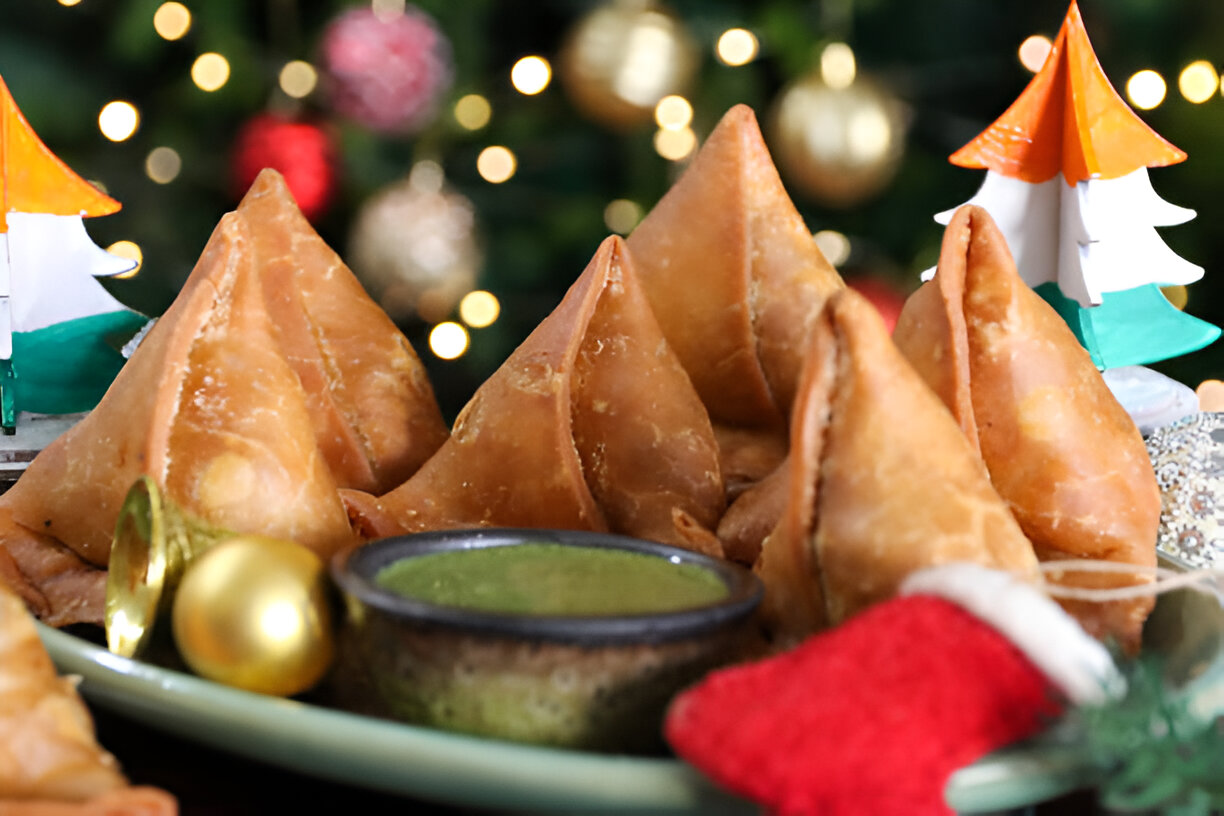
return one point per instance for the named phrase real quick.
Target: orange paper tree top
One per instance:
(1068, 120)
(33, 179)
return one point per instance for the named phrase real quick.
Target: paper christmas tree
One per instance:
(1067, 183)
(59, 328)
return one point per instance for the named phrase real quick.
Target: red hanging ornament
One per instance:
(302, 152)
(386, 71)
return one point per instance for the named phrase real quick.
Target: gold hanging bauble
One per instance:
(414, 246)
(840, 145)
(623, 57)
(255, 613)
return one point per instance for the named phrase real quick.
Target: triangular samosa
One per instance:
(736, 280)
(1059, 447)
(590, 424)
(879, 482)
(250, 402)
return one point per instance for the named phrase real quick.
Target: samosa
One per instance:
(48, 750)
(590, 424)
(250, 402)
(736, 280)
(1059, 447)
(879, 482)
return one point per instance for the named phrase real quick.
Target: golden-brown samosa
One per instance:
(736, 281)
(250, 402)
(1059, 447)
(590, 424)
(879, 482)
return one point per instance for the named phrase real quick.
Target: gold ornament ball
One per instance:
(254, 612)
(623, 57)
(841, 146)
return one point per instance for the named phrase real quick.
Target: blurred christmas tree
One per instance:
(382, 117)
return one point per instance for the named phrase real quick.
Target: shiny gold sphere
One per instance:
(623, 57)
(254, 612)
(840, 145)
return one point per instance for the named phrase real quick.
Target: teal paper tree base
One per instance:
(65, 368)
(1132, 327)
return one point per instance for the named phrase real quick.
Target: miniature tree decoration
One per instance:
(1067, 183)
(60, 330)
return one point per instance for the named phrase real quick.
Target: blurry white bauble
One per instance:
(415, 248)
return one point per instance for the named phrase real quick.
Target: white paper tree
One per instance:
(58, 326)
(1067, 183)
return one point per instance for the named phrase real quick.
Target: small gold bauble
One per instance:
(839, 145)
(623, 57)
(254, 612)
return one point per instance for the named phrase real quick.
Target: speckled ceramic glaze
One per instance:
(597, 683)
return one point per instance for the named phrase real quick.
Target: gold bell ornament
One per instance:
(245, 610)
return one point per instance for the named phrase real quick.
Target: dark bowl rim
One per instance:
(352, 569)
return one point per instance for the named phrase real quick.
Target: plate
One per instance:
(461, 770)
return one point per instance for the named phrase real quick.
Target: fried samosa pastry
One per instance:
(736, 280)
(879, 482)
(1059, 447)
(249, 402)
(590, 424)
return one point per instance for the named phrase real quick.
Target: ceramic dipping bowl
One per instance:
(501, 653)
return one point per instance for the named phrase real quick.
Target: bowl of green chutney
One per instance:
(552, 637)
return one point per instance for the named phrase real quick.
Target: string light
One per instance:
(298, 79)
(69, 2)
(837, 66)
(674, 145)
(1033, 52)
(673, 113)
(210, 71)
(473, 112)
(129, 250)
(118, 120)
(622, 215)
(496, 164)
(448, 340)
(1198, 81)
(833, 245)
(531, 75)
(737, 46)
(163, 164)
(172, 21)
(1146, 89)
(479, 309)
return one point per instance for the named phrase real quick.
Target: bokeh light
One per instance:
(163, 164)
(210, 71)
(1198, 81)
(673, 112)
(737, 46)
(473, 112)
(531, 75)
(118, 120)
(298, 79)
(1033, 51)
(837, 66)
(833, 245)
(172, 21)
(675, 144)
(448, 340)
(1146, 89)
(479, 309)
(622, 215)
(496, 164)
(129, 250)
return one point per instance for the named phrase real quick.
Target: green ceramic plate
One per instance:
(468, 771)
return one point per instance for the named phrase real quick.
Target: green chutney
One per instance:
(552, 579)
